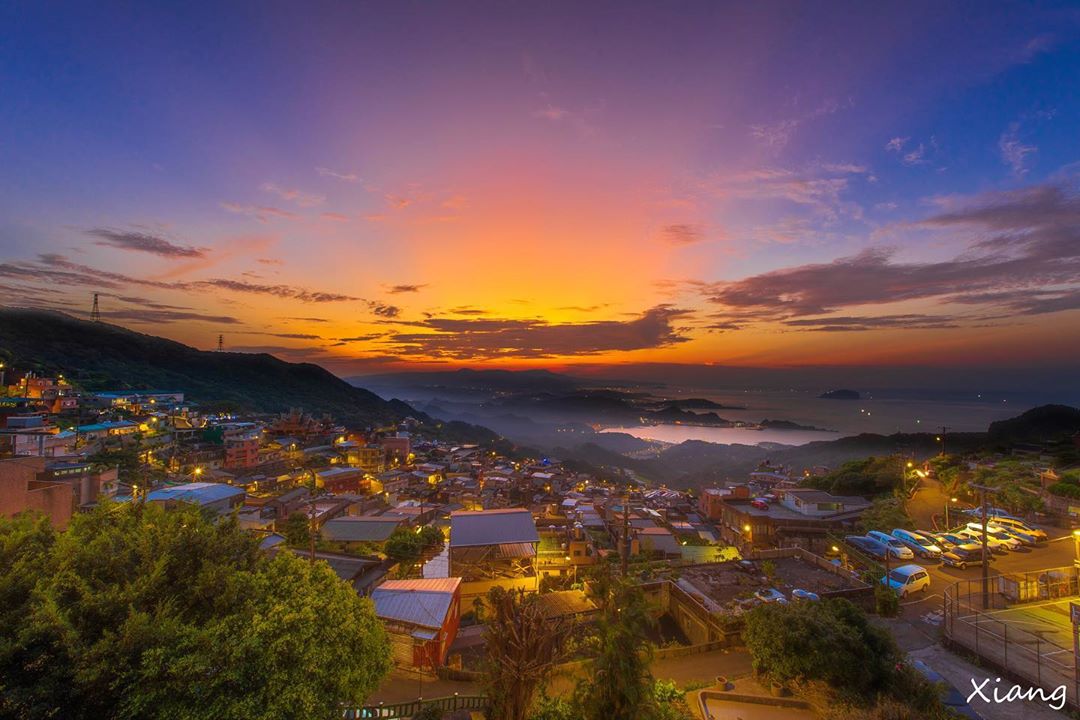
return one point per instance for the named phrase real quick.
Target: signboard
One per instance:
(1074, 613)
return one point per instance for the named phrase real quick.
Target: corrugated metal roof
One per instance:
(416, 602)
(492, 527)
(197, 492)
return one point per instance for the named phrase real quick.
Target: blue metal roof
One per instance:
(492, 527)
(200, 493)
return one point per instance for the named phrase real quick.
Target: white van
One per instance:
(907, 579)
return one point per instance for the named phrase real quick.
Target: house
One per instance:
(658, 542)
(800, 516)
(218, 497)
(355, 530)
(486, 544)
(421, 617)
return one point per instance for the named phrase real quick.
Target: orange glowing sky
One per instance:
(404, 185)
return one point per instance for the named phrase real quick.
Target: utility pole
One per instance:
(312, 526)
(95, 312)
(983, 489)
(220, 343)
(626, 534)
(944, 429)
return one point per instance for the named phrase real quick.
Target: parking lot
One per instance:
(1058, 552)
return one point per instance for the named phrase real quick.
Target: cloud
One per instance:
(397, 289)
(471, 338)
(1014, 152)
(467, 310)
(819, 189)
(384, 310)
(157, 317)
(916, 156)
(343, 176)
(776, 135)
(285, 336)
(282, 291)
(1022, 240)
(262, 213)
(299, 197)
(862, 323)
(335, 217)
(309, 319)
(270, 261)
(896, 144)
(552, 113)
(360, 338)
(681, 234)
(143, 242)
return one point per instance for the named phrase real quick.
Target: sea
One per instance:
(882, 411)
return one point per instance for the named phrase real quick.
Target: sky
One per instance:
(415, 185)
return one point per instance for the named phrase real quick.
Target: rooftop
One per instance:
(424, 602)
(492, 527)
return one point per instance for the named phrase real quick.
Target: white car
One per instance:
(992, 542)
(1010, 524)
(919, 543)
(907, 579)
(897, 549)
(1012, 543)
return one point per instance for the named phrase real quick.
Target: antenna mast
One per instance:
(95, 313)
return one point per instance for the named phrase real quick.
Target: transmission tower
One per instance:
(220, 343)
(95, 313)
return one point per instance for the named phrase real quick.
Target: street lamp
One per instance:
(947, 524)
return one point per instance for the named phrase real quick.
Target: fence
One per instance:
(1022, 653)
(410, 708)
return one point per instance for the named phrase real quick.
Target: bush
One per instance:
(886, 601)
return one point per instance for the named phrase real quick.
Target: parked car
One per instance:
(759, 503)
(868, 545)
(771, 595)
(907, 579)
(951, 698)
(976, 512)
(1009, 524)
(949, 540)
(992, 542)
(960, 556)
(1023, 537)
(897, 549)
(919, 544)
(995, 532)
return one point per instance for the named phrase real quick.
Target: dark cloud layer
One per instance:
(1020, 243)
(143, 242)
(470, 338)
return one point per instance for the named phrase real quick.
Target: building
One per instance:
(341, 480)
(57, 489)
(351, 531)
(242, 452)
(489, 544)
(800, 516)
(218, 497)
(421, 617)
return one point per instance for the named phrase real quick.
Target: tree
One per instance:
(298, 529)
(140, 612)
(870, 477)
(886, 514)
(523, 646)
(829, 641)
(619, 684)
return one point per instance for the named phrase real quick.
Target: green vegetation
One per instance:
(99, 356)
(298, 529)
(832, 646)
(406, 546)
(886, 513)
(139, 612)
(869, 477)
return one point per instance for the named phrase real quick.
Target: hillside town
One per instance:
(427, 529)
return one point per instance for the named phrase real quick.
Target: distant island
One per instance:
(840, 395)
(788, 425)
(701, 404)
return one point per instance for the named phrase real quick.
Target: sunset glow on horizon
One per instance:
(487, 184)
